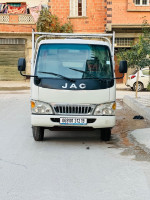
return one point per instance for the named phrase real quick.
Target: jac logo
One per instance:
(73, 86)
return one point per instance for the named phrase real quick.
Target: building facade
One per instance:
(86, 16)
(17, 19)
(126, 18)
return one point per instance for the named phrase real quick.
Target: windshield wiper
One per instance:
(59, 75)
(91, 75)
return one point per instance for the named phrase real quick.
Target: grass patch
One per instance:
(148, 86)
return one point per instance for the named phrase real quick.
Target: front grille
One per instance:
(73, 109)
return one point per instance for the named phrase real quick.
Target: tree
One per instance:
(50, 23)
(139, 55)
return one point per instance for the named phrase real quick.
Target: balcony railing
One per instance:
(26, 19)
(16, 19)
(4, 18)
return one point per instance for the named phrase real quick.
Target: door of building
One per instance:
(10, 50)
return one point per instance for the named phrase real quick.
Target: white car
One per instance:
(144, 79)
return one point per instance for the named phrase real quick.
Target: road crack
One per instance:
(13, 163)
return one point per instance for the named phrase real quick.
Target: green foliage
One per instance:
(50, 23)
(66, 28)
(44, 20)
(148, 87)
(138, 55)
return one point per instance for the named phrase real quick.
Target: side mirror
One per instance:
(123, 67)
(21, 64)
(22, 67)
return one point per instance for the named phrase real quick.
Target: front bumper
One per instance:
(50, 121)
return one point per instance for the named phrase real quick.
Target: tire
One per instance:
(105, 134)
(140, 86)
(38, 133)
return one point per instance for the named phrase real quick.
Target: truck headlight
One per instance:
(105, 109)
(39, 107)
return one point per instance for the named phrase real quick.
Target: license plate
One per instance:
(73, 121)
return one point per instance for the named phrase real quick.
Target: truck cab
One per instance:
(73, 86)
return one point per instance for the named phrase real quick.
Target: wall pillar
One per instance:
(28, 54)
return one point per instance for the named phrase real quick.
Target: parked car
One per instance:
(144, 78)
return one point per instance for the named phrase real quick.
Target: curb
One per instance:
(137, 106)
(141, 139)
(13, 88)
(123, 89)
(14, 85)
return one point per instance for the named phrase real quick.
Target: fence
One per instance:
(16, 19)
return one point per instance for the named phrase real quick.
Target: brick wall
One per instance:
(93, 22)
(10, 28)
(132, 7)
(125, 12)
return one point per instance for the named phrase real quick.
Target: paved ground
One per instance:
(67, 165)
(14, 85)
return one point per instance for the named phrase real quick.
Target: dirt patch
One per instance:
(125, 124)
(138, 153)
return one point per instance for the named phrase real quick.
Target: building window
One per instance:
(77, 8)
(141, 2)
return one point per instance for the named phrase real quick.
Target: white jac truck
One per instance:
(72, 82)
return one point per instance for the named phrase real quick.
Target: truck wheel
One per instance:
(105, 134)
(140, 86)
(38, 133)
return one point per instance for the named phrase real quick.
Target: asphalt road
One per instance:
(66, 165)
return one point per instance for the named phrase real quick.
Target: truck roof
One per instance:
(73, 41)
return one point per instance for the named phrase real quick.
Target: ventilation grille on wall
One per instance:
(12, 41)
(26, 19)
(124, 42)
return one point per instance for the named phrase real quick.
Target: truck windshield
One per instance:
(94, 60)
